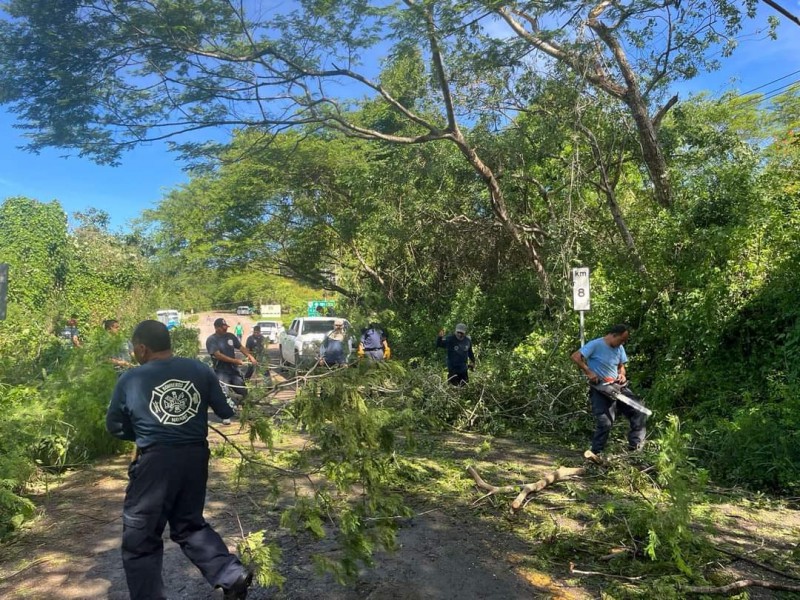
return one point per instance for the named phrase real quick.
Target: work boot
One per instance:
(238, 591)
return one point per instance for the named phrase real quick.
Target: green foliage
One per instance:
(185, 341)
(103, 268)
(27, 346)
(24, 413)
(758, 444)
(354, 445)
(33, 241)
(265, 558)
(81, 391)
(663, 518)
(14, 508)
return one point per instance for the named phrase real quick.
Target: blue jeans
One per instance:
(235, 382)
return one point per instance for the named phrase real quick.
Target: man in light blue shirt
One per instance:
(603, 361)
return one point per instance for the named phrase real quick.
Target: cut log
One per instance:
(559, 474)
(592, 457)
(574, 571)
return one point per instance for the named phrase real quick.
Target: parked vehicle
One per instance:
(169, 317)
(299, 345)
(271, 330)
(243, 310)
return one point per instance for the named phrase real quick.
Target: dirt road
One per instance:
(449, 550)
(205, 324)
(73, 550)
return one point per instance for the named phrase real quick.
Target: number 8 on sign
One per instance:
(580, 289)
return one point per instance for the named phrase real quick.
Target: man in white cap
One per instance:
(334, 349)
(460, 357)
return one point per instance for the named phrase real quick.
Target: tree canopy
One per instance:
(100, 78)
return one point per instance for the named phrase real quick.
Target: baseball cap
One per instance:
(220, 322)
(461, 328)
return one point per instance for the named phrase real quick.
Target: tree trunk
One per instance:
(651, 150)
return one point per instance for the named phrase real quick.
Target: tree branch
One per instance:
(663, 111)
(740, 585)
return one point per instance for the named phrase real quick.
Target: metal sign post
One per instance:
(3, 290)
(580, 293)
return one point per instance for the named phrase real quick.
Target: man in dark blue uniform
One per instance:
(374, 343)
(460, 357)
(254, 343)
(222, 347)
(163, 407)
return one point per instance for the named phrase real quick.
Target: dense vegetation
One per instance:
(462, 188)
(710, 295)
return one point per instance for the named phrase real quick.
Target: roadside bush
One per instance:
(27, 347)
(185, 342)
(81, 390)
(24, 415)
(759, 445)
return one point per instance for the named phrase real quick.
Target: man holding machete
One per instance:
(603, 362)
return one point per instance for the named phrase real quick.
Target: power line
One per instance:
(770, 94)
(768, 83)
(790, 87)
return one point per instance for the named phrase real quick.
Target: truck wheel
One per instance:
(281, 362)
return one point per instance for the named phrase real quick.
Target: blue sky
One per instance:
(149, 171)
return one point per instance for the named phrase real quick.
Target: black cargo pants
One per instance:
(604, 410)
(168, 485)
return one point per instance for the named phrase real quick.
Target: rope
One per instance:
(230, 385)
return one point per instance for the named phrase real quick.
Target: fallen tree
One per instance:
(526, 490)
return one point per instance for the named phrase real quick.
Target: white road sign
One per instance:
(580, 289)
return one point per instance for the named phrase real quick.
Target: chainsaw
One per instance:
(612, 390)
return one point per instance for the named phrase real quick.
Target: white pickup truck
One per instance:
(299, 345)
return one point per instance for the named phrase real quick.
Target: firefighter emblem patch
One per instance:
(174, 402)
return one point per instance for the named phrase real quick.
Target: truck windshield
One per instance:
(318, 326)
